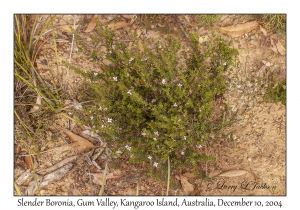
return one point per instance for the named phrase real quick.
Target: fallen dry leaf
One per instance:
(273, 46)
(189, 175)
(37, 106)
(187, 187)
(67, 28)
(261, 71)
(264, 31)
(280, 48)
(138, 32)
(239, 29)
(79, 143)
(233, 173)
(92, 25)
(127, 16)
(98, 177)
(141, 47)
(118, 25)
(187, 18)
(29, 161)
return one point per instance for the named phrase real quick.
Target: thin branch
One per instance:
(181, 26)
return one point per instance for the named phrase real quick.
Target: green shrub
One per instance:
(277, 92)
(272, 21)
(208, 20)
(159, 103)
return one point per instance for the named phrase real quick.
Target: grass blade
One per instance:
(169, 172)
(103, 181)
(17, 189)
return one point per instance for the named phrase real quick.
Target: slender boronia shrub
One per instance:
(159, 102)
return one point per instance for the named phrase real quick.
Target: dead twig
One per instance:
(180, 26)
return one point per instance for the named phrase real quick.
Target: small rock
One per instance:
(44, 62)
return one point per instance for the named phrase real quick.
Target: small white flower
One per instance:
(91, 117)
(184, 138)
(100, 108)
(164, 81)
(91, 59)
(76, 49)
(144, 134)
(95, 73)
(155, 164)
(159, 46)
(175, 105)
(149, 157)
(154, 138)
(102, 126)
(131, 59)
(115, 79)
(110, 51)
(199, 146)
(153, 101)
(156, 133)
(129, 92)
(109, 120)
(69, 113)
(179, 85)
(104, 56)
(128, 147)
(182, 153)
(224, 64)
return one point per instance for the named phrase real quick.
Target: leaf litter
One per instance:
(91, 26)
(37, 106)
(112, 26)
(79, 143)
(233, 173)
(67, 28)
(239, 29)
(187, 187)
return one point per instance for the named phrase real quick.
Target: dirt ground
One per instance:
(254, 155)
